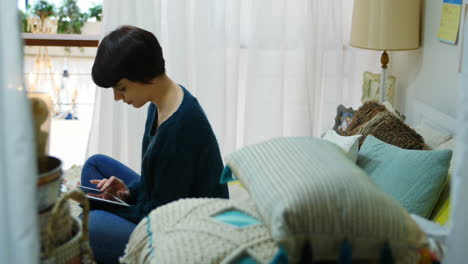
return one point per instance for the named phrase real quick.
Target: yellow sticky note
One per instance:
(450, 21)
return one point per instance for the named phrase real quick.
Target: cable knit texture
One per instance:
(186, 231)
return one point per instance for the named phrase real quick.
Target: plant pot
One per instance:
(50, 178)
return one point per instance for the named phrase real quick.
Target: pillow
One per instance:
(441, 211)
(450, 144)
(363, 115)
(349, 144)
(432, 137)
(413, 177)
(389, 128)
(203, 231)
(237, 191)
(374, 119)
(309, 192)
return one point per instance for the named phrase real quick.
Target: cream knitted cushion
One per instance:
(308, 189)
(203, 231)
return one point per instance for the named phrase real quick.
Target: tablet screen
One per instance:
(107, 197)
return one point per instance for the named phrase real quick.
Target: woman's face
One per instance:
(132, 93)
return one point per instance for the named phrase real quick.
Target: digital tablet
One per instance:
(109, 199)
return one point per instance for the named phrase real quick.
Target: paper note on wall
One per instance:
(450, 21)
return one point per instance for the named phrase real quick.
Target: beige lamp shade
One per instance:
(386, 24)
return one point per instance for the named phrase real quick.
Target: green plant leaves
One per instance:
(70, 18)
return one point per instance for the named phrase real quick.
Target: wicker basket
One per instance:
(76, 249)
(65, 225)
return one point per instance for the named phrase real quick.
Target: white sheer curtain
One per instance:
(458, 237)
(259, 68)
(19, 240)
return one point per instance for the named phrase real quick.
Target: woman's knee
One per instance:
(96, 219)
(95, 159)
(91, 168)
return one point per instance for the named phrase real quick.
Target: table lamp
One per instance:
(385, 25)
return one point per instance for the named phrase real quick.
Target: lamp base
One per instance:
(384, 59)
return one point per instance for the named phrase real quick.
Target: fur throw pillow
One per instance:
(363, 115)
(374, 119)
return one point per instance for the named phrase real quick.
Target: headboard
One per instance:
(425, 114)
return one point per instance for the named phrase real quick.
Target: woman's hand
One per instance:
(114, 186)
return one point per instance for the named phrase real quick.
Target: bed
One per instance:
(255, 242)
(288, 205)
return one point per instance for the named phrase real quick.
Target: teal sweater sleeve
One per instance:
(133, 188)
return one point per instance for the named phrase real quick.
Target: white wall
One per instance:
(429, 74)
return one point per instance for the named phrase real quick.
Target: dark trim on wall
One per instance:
(62, 40)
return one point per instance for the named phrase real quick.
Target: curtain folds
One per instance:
(19, 233)
(458, 237)
(260, 69)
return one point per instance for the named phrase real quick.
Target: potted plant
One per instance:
(95, 12)
(39, 21)
(70, 18)
(44, 9)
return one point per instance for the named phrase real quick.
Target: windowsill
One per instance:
(62, 40)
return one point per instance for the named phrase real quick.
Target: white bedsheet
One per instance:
(437, 234)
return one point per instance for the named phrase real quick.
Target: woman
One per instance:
(180, 154)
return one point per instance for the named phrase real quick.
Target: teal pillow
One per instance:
(413, 177)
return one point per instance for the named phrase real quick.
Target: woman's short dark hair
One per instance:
(128, 52)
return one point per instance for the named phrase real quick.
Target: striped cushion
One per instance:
(308, 189)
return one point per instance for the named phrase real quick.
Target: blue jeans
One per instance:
(108, 233)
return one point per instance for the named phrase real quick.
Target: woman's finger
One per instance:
(95, 181)
(107, 183)
(101, 183)
(113, 178)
